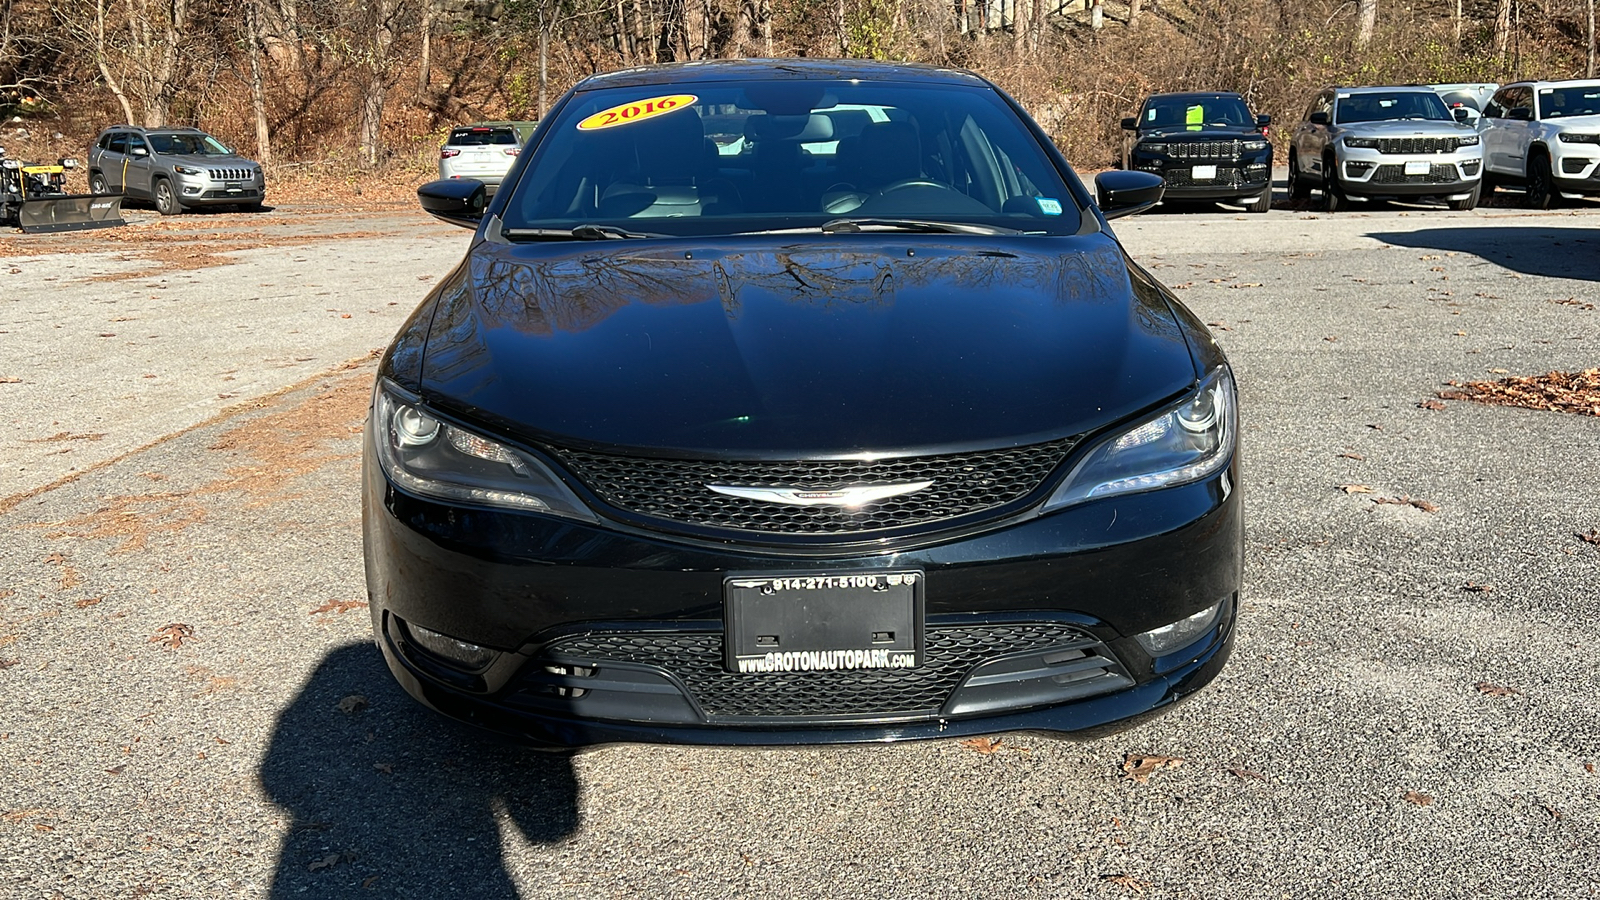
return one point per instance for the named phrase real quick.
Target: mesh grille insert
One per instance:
(696, 659)
(676, 490)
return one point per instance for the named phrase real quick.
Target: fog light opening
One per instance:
(1167, 638)
(460, 654)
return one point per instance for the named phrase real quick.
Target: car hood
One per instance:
(1205, 134)
(1573, 123)
(842, 345)
(1407, 128)
(203, 161)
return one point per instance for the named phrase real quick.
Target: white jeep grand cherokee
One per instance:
(1544, 136)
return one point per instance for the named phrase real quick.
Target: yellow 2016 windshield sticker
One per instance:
(637, 111)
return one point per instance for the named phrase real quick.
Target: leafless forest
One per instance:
(372, 82)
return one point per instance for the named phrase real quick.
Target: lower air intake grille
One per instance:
(952, 651)
(1396, 174)
(677, 490)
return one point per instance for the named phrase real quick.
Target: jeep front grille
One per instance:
(230, 174)
(1418, 145)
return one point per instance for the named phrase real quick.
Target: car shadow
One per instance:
(387, 798)
(1528, 249)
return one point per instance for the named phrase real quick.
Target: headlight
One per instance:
(187, 170)
(1156, 147)
(1255, 145)
(1468, 140)
(1568, 138)
(1184, 443)
(433, 458)
(1364, 143)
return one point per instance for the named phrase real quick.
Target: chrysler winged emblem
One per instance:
(850, 497)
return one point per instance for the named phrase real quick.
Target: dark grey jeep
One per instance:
(175, 168)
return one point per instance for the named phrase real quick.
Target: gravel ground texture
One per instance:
(190, 705)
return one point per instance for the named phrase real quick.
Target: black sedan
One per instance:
(1208, 146)
(799, 401)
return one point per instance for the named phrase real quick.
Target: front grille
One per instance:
(1205, 149)
(1418, 145)
(1226, 175)
(1396, 174)
(674, 490)
(229, 195)
(696, 659)
(230, 174)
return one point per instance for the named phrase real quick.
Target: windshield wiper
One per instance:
(848, 225)
(582, 233)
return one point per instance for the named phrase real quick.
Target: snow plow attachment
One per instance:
(69, 212)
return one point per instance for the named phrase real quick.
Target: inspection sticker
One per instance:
(1049, 206)
(636, 111)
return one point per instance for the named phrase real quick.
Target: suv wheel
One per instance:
(1333, 198)
(166, 198)
(1541, 193)
(1298, 189)
(97, 184)
(1260, 204)
(1472, 199)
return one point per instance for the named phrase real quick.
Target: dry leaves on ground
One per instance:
(1592, 536)
(352, 704)
(1355, 489)
(1140, 766)
(1431, 404)
(1419, 798)
(1243, 774)
(172, 635)
(983, 745)
(339, 606)
(1424, 505)
(1496, 690)
(1574, 392)
(1476, 588)
(1128, 881)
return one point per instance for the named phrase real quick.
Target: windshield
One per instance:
(1377, 107)
(477, 137)
(1555, 103)
(1194, 113)
(729, 158)
(188, 145)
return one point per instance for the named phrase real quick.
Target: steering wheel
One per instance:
(905, 183)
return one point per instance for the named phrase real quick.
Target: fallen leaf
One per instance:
(1554, 813)
(1140, 766)
(1331, 338)
(1498, 371)
(385, 768)
(172, 636)
(38, 827)
(352, 704)
(339, 606)
(1419, 798)
(1430, 404)
(1424, 505)
(115, 770)
(87, 602)
(1247, 773)
(327, 862)
(1476, 588)
(1351, 456)
(1355, 489)
(10, 379)
(983, 745)
(1592, 537)
(1246, 284)
(1589, 767)
(1127, 881)
(369, 881)
(1495, 690)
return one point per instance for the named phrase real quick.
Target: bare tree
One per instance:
(1589, 71)
(258, 92)
(1502, 27)
(1366, 21)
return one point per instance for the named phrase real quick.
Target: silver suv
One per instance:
(1544, 136)
(1362, 143)
(175, 168)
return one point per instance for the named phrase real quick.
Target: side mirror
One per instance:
(1520, 113)
(1263, 121)
(1126, 192)
(1130, 124)
(459, 201)
(1319, 118)
(139, 151)
(1461, 114)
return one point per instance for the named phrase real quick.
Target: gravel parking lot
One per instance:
(190, 705)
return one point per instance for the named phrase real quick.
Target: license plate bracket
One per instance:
(1418, 167)
(1203, 173)
(823, 621)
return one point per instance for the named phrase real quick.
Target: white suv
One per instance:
(1545, 136)
(1368, 142)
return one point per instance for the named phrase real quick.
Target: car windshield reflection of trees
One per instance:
(388, 799)
(1531, 250)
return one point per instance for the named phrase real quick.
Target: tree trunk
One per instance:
(1502, 26)
(1133, 10)
(100, 61)
(258, 94)
(1590, 71)
(425, 60)
(1366, 21)
(544, 60)
(1097, 15)
(1019, 26)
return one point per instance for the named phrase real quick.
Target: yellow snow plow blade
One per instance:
(69, 212)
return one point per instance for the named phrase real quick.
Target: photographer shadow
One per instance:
(386, 798)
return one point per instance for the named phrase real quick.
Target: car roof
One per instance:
(713, 70)
(1198, 95)
(1570, 82)
(1386, 89)
(163, 129)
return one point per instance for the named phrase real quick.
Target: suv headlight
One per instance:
(1184, 443)
(1255, 145)
(1467, 140)
(187, 170)
(1363, 143)
(424, 455)
(1151, 147)
(1569, 138)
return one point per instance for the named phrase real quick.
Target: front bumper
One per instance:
(205, 191)
(1576, 168)
(1365, 172)
(528, 585)
(1225, 179)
